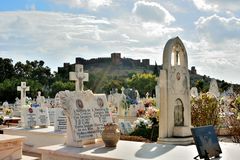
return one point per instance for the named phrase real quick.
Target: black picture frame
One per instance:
(206, 141)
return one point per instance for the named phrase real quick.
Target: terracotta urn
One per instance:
(110, 135)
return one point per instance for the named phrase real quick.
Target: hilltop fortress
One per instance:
(117, 62)
(113, 65)
(115, 59)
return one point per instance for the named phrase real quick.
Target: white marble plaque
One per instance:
(60, 120)
(29, 117)
(42, 116)
(52, 112)
(86, 113)
(125, 127)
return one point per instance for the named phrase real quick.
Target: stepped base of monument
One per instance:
(176, 141)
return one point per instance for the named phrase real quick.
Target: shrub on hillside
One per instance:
(205, 110)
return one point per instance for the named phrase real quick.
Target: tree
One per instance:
(114, 83)
(143, 82)
(6, 69)
(61, 86)
(199, 84)
(8, 90)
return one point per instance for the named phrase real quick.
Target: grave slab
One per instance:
(126, 150)
(11, 146)
(36, 137)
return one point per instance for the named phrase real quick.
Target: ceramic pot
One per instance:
(111, 135)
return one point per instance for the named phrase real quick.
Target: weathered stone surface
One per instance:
(174, 87)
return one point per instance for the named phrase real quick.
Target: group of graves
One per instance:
(73, 128)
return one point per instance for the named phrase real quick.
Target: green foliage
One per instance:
(113, 83)
(205, 110)
(144, 82)
(8, 90)
(149, 133)
(61, 86)
(6, 69)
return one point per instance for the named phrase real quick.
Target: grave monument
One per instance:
(194, 92)
(23, 89)
(213, 89)
(79, 77)
(175, 111)
(86, 112)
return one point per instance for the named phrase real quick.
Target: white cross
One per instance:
(122, 89)
(39, 93)
(79, 77)
(23, 88)
(147, 94)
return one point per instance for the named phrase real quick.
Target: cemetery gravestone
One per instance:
(51, 113)
(86, 115)
(23, 88)
(206, 142)
(116, 100)
(42, 117)
(40, 99)
(29, 117)
(122, 127)
(194, 92)
(214, 88)
(78, 76)
(174, 83)
(230, 92)
(125, 127)
(60, 120)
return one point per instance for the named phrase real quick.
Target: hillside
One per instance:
(116, 67)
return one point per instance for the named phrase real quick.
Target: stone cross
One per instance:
(122, 89)
(39, 93)
(23, 88)
(79, 77)
(40, 99)
(147, 95)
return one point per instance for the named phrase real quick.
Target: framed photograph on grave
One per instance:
(206, 142)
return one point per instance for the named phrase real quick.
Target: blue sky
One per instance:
(57, 31)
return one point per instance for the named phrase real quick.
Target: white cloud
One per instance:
(90, 4)
(206, 6)
(152, 12)
(217, 52)
(218, 29)
(217, 5)
(60, 37)
(158, 30)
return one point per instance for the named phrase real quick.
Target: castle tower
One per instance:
(116, 58)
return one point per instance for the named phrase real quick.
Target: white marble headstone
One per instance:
(125, 127)
(51, 112)
(29, 117)
(214, 88)
(194, 92)
(60, 120)
(86, 114)
(42, 116)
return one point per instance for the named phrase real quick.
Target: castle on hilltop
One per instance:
(113, 65)
(115, 60)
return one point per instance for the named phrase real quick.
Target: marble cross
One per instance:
(147, 95)
(23, 88)
(79, 77)
(122, 89)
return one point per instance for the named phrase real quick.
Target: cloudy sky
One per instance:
(57, 31)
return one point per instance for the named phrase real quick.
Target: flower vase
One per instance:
(110, 135)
